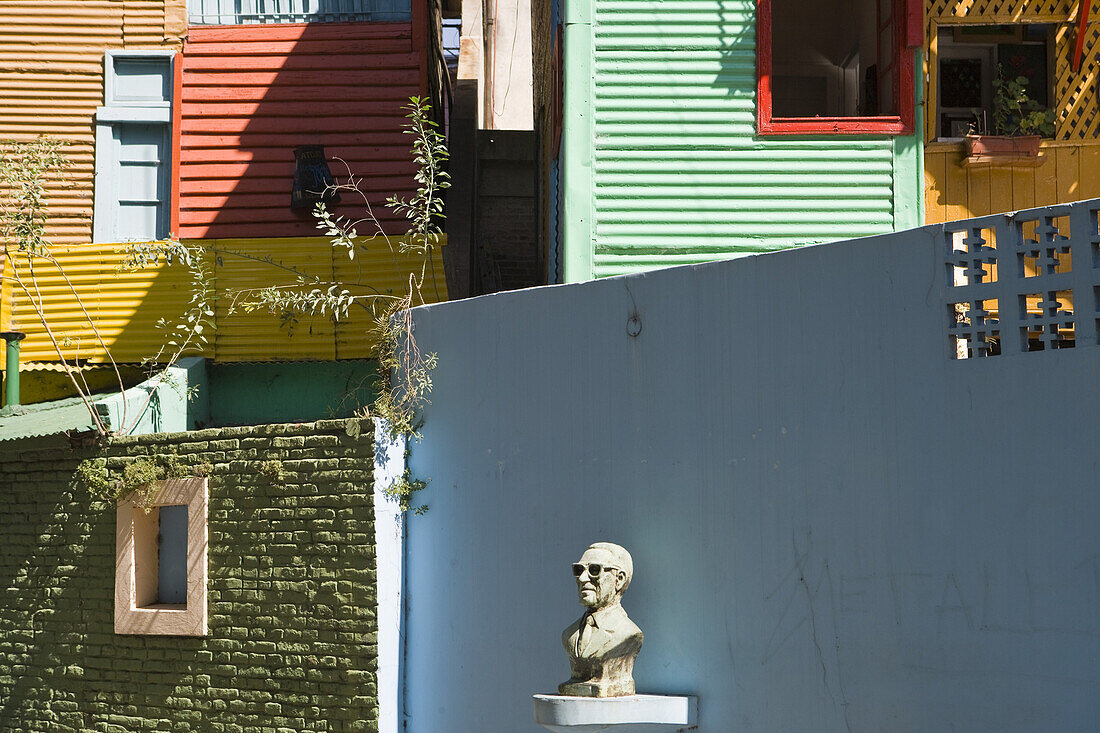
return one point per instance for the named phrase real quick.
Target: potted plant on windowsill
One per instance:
(1019, 125)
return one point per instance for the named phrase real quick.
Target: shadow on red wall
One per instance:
(251, 94)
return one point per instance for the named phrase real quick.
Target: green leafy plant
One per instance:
(404, 490)
(139, 483)
(1015, 113)
(272, 472)
(138, 480)
(91, 476)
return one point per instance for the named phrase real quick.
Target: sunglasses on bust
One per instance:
(594, 569)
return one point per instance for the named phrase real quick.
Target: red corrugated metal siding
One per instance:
(251, 94)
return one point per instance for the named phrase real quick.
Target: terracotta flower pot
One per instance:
(1023, 146)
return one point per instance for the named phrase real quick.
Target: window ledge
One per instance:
(133, 114)
(833, 126)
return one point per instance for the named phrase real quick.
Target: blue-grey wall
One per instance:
(835, 526)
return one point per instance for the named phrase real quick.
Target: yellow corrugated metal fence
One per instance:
(125, 306)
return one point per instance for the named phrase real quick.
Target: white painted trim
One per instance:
(104, 185)
(134, 114)
(389, 537)
(109, 75)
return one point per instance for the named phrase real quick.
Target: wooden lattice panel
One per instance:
(1075, 91)
(998, 10)
(1078, 111)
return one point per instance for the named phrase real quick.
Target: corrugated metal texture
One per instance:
(125, 306)
(51, 81)
(49, 418)
(379, 269)
(251, 94)
(679, 173)
(241, 336)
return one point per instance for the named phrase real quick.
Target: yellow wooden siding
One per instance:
(126, 306)
(51, 81)
(1070, 171)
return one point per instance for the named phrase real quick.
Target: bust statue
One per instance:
(603, 643)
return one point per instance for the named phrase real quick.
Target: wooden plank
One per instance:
(930, 112)
(310, 110)
(935, 165)
(272, 228)
(357, 154)
(276, 140)
(1023, 187)
(1000, 189)
(957, 191)
(277, 209)
(251, 95)
(381, 86)
(318, 47)
(1046, 187)
(977, 191)
(300, 125)
(1068, 177)
(1090, 171)
(286, 66)
(296, 31)
(397, 183)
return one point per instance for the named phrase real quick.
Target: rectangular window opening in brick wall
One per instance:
(161, 562)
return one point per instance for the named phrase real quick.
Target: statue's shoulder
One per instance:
(571, 629)
(627, 626)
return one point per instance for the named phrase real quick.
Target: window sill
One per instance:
(834, 126)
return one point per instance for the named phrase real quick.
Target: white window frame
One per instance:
(250, 12)
(113, 113)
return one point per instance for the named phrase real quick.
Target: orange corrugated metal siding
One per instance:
(51, 81)
(252, 93)
(125, 306)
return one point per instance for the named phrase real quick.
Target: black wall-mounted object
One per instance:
(312, 178)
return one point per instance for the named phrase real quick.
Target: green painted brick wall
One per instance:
(291, 591)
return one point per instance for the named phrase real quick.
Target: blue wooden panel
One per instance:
(142, 80)
(172, 561)
(141, 173)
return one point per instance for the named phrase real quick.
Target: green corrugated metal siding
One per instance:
(680, 176)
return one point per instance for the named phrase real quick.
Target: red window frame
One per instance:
(906, 32)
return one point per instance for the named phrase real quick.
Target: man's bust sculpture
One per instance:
(603, 643)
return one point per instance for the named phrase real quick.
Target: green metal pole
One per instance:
(577, 146)
(11, 378)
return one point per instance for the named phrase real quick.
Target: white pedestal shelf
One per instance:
(633, 714)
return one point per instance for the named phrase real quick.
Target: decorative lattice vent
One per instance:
(1022, 282)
